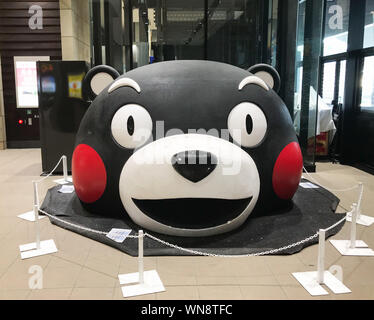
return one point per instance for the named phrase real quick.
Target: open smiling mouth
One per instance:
(193, 213)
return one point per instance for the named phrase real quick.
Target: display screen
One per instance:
(26, 80)
(26, 84)
(48, 84)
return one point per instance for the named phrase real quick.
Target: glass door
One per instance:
(367, 85)
(308, 50)
(364, 133)
(332, 81)
(330, 107)
(237, 31)
(167, 30)
(234, 32)
(129, 34)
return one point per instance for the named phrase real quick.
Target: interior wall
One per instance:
(75, 30)
(17, 38)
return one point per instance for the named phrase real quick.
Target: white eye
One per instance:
(247, 124)
(131, 126)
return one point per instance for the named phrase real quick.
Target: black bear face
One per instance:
(188, 148)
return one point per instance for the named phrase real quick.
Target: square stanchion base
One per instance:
(361, 249)
(362, 220)
(29, 216)
(29, 250)
(309, 281)
(63, 181)
(152, 284)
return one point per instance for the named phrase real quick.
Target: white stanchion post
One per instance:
(353, 247)
(65, 168)
(66, 178)
(141, 256)
(353, 226)
(37, 248)
(36, 213)
(321, 256)
(312, 281)
(361, 218)
(361, 191)
(141, 282)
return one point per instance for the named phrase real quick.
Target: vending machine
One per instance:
(62, 105)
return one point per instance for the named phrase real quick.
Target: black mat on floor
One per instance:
(313, 209)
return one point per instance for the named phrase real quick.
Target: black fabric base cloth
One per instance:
(313, 209)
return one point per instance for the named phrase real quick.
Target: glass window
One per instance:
(328, 82)
(129, 34)
(273, 31)
(342, 81)
(167, 30)
(369, 24)
(335, 38)
(299, 64)
(234, 32)
(308, 48)
(367, 83)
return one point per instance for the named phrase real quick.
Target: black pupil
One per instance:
(249, 124)
(130, 125)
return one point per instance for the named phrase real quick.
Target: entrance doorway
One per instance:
(131, 33)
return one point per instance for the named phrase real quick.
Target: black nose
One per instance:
(194, 165)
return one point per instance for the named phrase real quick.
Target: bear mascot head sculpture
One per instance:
(186, 148)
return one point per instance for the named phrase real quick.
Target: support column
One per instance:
(309, 101)
(286, 43)
(2, 114)
(75, 30)
(350, 108)
(113, 34)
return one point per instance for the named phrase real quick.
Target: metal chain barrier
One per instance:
(72, 224)
(195, 252)
(49, 174)
(336, 224)
(79, 226)
(232, 256)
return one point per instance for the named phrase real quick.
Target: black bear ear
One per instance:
(97, 79)
(268, 74)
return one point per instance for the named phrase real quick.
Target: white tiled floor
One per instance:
(85, 269)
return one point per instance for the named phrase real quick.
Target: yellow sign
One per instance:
(75, 85)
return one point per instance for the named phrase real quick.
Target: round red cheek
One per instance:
(89, 174)
(287, 171)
